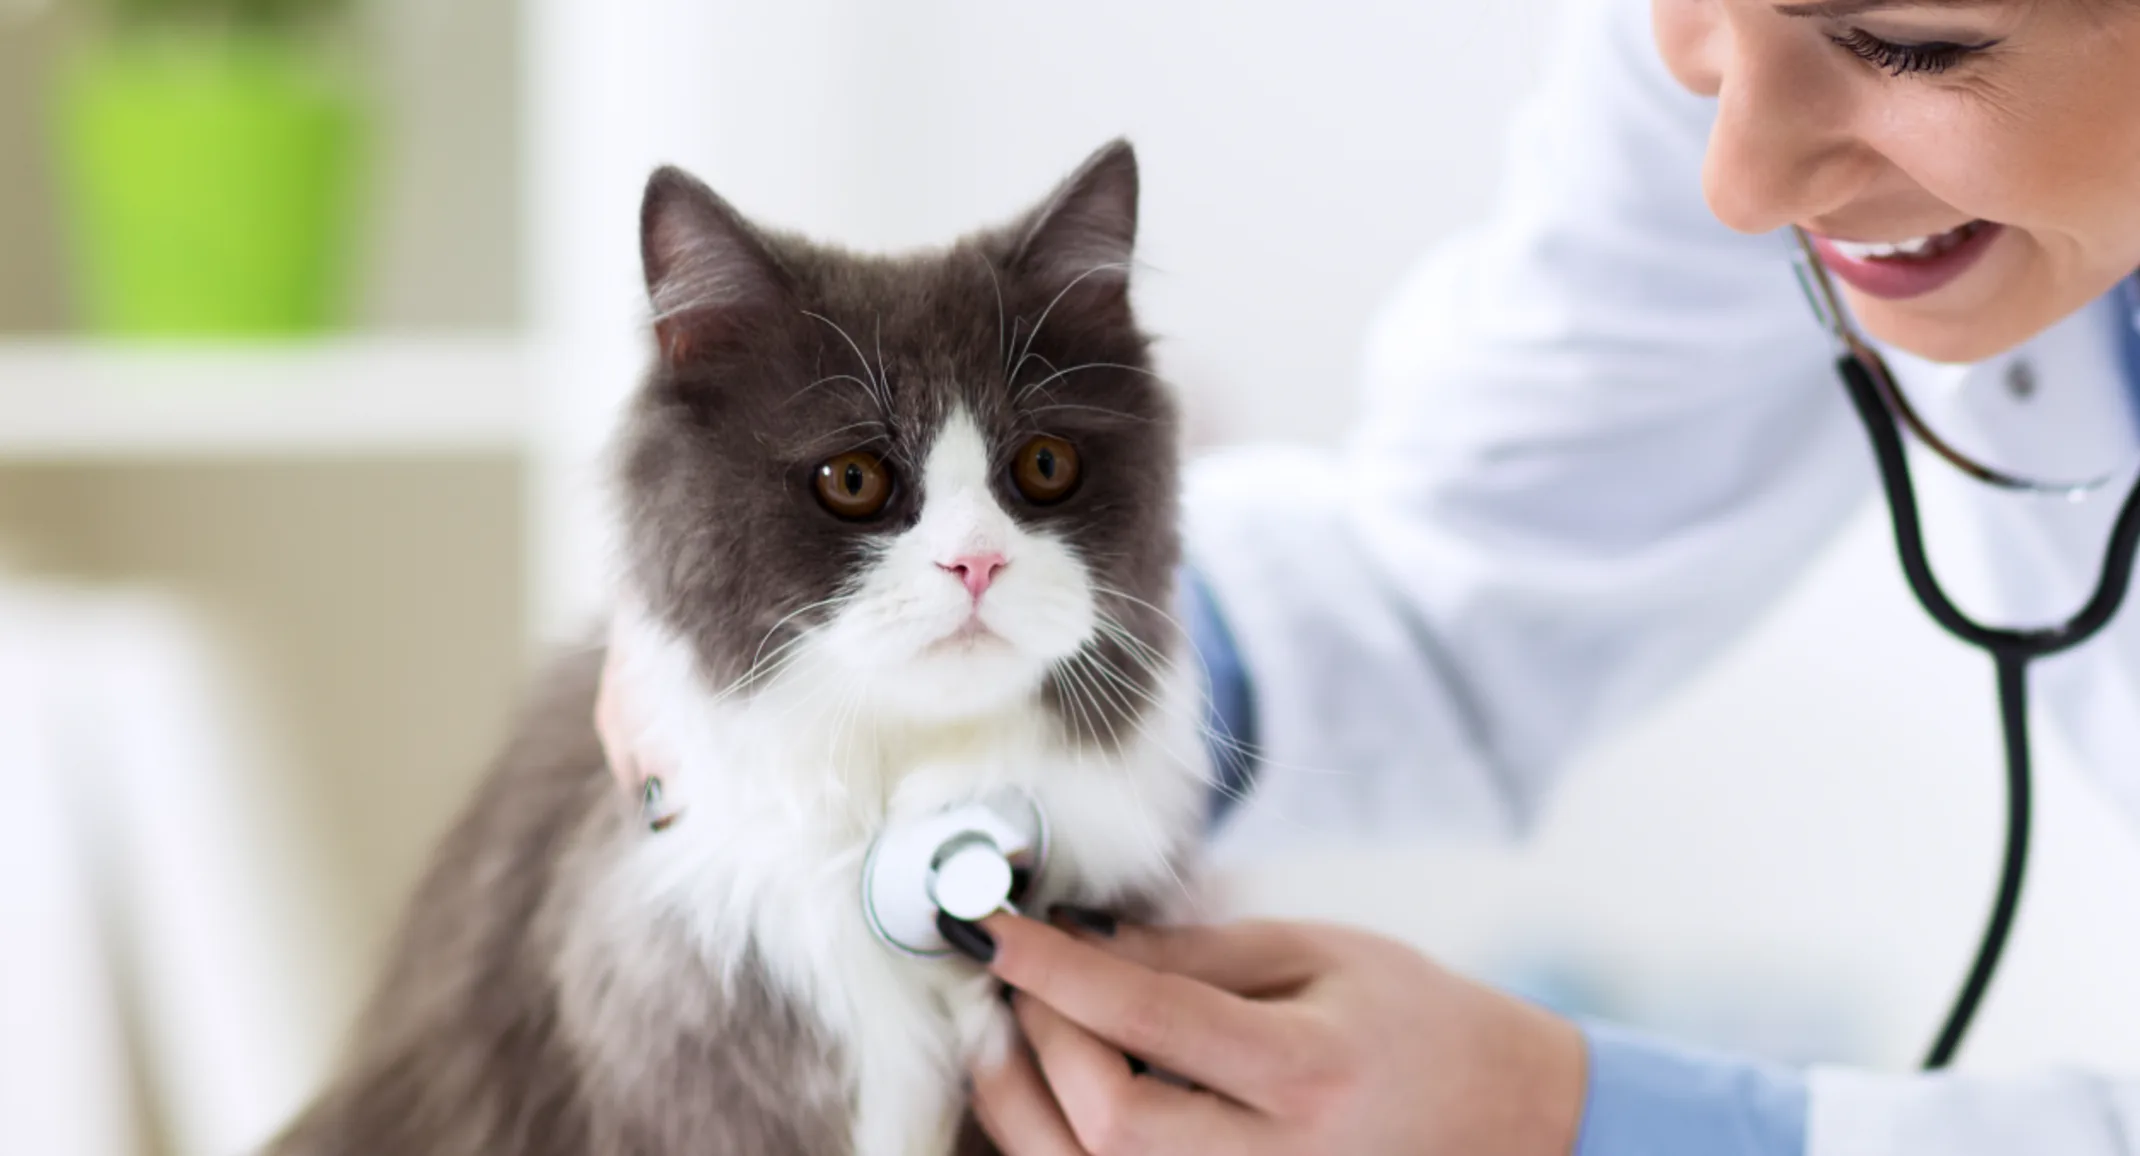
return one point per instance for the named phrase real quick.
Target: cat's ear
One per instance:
(708, 274)
(1081, 240)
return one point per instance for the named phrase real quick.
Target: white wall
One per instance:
(1795, 854)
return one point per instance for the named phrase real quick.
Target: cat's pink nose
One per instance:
(975, 570)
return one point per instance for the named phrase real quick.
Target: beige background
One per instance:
(373, 606)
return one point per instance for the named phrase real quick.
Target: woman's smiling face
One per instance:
(1970, 169)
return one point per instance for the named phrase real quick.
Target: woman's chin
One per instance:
(1941, 340)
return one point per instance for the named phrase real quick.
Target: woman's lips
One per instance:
(1911, 268)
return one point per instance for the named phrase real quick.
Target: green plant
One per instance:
(241, 13)
(209, 152)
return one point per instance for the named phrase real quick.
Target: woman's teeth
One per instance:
(1916, 248)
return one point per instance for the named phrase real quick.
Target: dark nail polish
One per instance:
(969, 938)
(1089, 920)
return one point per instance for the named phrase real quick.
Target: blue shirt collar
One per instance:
(2129, 302)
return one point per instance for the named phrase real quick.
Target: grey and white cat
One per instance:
(898, 530)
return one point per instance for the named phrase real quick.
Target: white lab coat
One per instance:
(1601, 435)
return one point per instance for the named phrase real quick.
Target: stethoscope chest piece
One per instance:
(967, 862)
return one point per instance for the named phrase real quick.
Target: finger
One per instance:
(1256, 958)
(1018, 1111)
(1112, 1110)
(608, 726)
(1213, 1037)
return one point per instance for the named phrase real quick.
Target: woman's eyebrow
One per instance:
(1834, 8)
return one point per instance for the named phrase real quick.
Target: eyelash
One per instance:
(1904, 59)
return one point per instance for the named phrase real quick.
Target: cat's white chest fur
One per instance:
(781, 797)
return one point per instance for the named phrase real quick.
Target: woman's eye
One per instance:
(1895, 59)
(855, 485)
(1045, 470)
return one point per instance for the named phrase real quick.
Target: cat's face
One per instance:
(929, 487)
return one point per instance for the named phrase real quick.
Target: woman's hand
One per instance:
(613, 723)
(1301, 1038)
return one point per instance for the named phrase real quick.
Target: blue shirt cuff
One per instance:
(1229, 704)
(1651, 1099)
(2129, 336)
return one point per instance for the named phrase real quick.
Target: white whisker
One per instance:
(1056, 374)
(1052, 303)
(859, 356)
(1201, 768)
(790, 616)
(1143, 653)
(884, 378)
(866, 388)
(1003, 345)
(1098, 409)
(1158, 852)
(871, 423)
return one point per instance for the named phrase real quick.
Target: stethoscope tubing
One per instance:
(1866, 394)
(2011, 652)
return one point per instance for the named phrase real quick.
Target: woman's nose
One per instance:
(1781, 150)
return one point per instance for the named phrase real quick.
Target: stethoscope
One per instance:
(966, 862)
(1885, 412)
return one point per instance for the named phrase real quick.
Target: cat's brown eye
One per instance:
(1045, 469)
(855, 485)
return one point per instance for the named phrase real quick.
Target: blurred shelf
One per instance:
(86, 401)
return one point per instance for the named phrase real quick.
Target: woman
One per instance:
(1601, 435)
